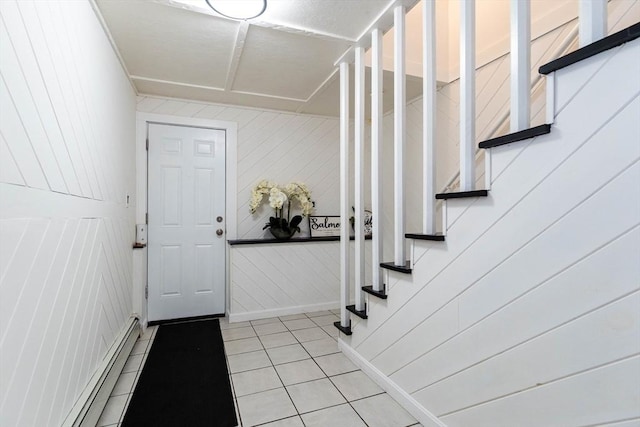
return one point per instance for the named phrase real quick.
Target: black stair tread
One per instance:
(463, 194)
(392, 266)
(371, 291)
(606, 43)
(346, 331)
(434, 237)
(516, 136)
(361, 314)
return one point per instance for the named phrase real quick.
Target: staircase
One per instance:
(602, 45)
(406, 372)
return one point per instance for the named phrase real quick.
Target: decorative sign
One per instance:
(321, 226)
(368, 223)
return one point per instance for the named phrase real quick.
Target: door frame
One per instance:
(140, 258)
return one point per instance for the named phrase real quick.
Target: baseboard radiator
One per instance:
(87, 410)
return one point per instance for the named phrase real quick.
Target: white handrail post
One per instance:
(520, 65)
(593, 21)
(376, 154)
(467, 95)
(359, 176)
(345, 320)
(429, 115)
(399, 130)
(551, 98)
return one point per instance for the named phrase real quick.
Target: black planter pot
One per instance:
(281, 234)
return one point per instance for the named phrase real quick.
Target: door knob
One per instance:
(219, 231)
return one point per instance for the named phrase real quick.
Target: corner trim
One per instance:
(426, 418)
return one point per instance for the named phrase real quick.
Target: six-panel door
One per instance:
(186, 222)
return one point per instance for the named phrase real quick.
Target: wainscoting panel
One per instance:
(67, 180)
(287, 278)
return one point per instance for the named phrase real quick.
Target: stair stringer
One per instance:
(539, 267)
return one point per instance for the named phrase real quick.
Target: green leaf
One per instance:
(295, 221)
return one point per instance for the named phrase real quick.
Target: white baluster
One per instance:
(520, 64)
(345, 320)
(429, 112)
(359, 177)
(551, 98)
(399, 107)
(593, 21)
(376, 153)
(467, 95)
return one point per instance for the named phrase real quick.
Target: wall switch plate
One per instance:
(141, 233)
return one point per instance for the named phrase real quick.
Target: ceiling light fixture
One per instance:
(238, 9)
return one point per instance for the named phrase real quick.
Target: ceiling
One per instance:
(284, 59)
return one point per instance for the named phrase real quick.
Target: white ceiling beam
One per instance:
(170, 82)
(243, 28)
(216, 89)
(303, 31)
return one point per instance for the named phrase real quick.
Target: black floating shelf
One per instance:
(406, 268)
(293, 240)
(516, 136)
(371, 291)
(361, 314)
(609, 42)
(346, 331)
(432, 237)
(463, 194)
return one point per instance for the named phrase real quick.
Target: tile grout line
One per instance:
(263, 348)
(327, 377)
(273, 366)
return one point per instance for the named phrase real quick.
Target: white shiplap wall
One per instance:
(492, 104)
(528, 314)
(269, 280)
(288, 278)
(66, 167)
(278, 146)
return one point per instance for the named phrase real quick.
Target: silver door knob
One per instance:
(219, 231)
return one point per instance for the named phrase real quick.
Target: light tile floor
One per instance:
(285, 372)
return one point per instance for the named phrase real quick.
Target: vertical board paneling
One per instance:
(67, 128)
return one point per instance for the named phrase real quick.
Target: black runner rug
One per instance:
(184, 381)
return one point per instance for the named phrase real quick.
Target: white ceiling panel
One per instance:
(282, 60)
(284, 64)
(342, 18)
(167, 43)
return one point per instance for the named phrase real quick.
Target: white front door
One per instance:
(186, 238)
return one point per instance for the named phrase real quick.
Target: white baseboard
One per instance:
(93, 399)
(285, 311)
(419, 412)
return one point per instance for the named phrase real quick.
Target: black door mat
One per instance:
(184, 381)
